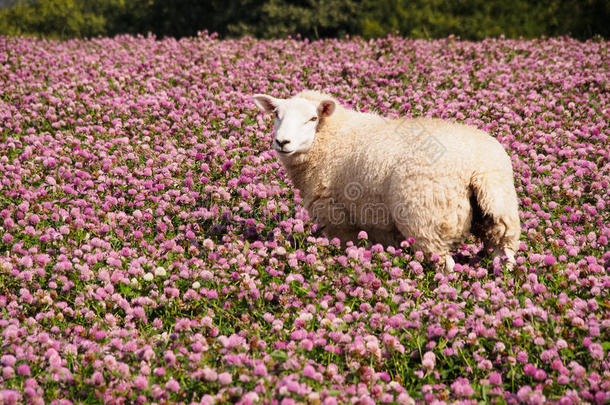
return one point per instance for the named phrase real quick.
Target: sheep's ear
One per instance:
(266, 103)
(326, 108)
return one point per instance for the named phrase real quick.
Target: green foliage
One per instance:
(70, 18)
(310, 18)
(52, 17)
(478, 19)
(470, 19)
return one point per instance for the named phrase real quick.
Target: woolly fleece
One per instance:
(427, 179)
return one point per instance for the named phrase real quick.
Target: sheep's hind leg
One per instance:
(508, 252)
(503, 237)
(496, 214)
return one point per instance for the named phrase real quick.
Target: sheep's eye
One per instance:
(313, 119)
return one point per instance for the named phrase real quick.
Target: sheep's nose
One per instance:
(282, 143)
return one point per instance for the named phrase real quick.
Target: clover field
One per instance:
(152, 249)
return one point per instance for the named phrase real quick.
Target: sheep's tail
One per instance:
(495, 209)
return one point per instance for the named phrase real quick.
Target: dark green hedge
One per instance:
(469, 19)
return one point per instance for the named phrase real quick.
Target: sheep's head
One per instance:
(296, 120)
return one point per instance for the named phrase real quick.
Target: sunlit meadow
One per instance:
(152, 249)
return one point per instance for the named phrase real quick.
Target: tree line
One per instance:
(469, 19)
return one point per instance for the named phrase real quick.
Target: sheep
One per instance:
(431, 180)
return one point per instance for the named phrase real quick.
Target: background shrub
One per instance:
(470, 19)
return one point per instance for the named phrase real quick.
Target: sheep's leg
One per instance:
(411, 223)
(449, 264)
(343, 233)
(445, 264)
(496, 197)
(510, 256)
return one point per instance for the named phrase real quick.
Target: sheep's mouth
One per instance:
(285, 152)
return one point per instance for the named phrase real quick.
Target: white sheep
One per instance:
(427, 179)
